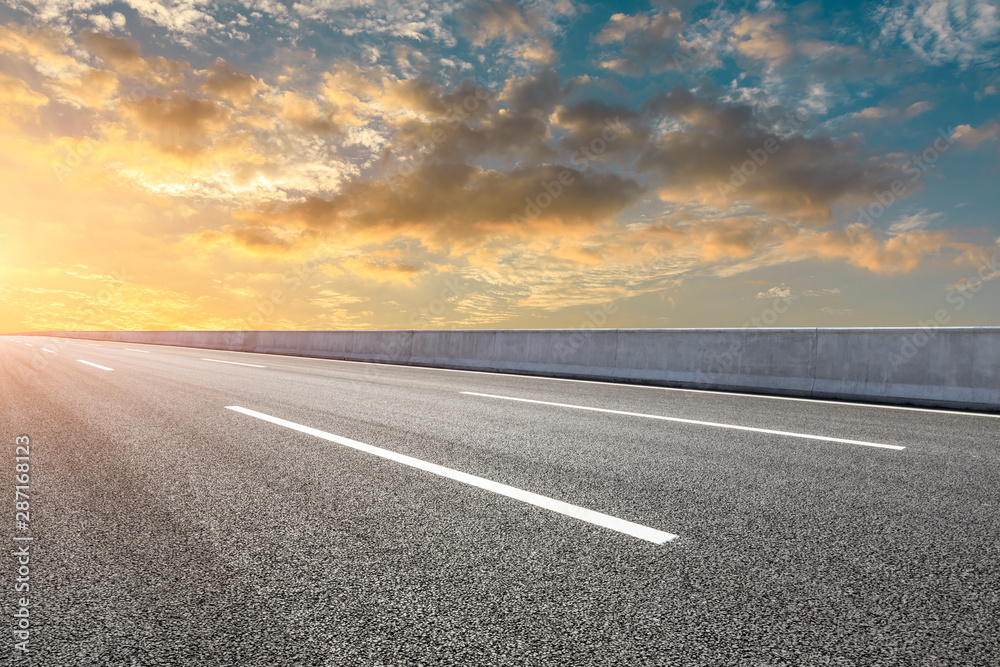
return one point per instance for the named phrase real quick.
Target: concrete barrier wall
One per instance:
(955, 367)
(583, 354)
(779, 360)
(453, 349)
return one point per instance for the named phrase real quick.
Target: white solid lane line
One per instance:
(234, 363)
(131, 350)
(605, 520)
(95, 365)
(692, 421)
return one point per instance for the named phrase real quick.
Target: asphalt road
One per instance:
(364, 514)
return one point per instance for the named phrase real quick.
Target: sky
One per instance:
(401, 164)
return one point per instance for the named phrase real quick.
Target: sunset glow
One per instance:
(398, 164)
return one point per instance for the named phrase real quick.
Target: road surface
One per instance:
(202, 507)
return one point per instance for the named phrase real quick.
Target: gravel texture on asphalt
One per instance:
(172, 531)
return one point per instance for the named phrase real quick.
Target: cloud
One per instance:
(598, 131)
(757, 36)
(123, 56)
(653, 42)
(872, 113)
(653, 25)
(776, 292)
(737, 244)
(46, 50)
(21, 103)
(897, 254)
(987, 91)
(889, 111)
(944, 31)
(917, 108)
(971, 137)
(488, 20)
(538, 51)
(92, 89)
(524, 31)
(719, 155)
(217, 134)
(179, 123)
(200, 168)
(454, 206)
(379, 269)
(909, 223)
(469, 122)
(538, 92)
(64, 77)
(101, 21)
(184, 18)
(226, 82)
(306, 114)
(411, 19)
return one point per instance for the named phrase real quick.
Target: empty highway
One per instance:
(202, 507)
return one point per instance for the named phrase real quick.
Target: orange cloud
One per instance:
(224, 81)
(215, 184)
(45, 50)
(21, 103)
(898, 254)
(179, 123)
(94, 89)
(456, 205)
(757, 36)
(971, 137)
(487, 20)
(124, 57)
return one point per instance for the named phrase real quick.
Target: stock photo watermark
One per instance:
(598, 317)
(73, 158)
(551, 190)
(882, 200)
(453, 288)
(264, 309)
(457, 114)
(741, 174)
(595, 319)
(399, 345)
(725, 361)
(22, 620)
(958, 298)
